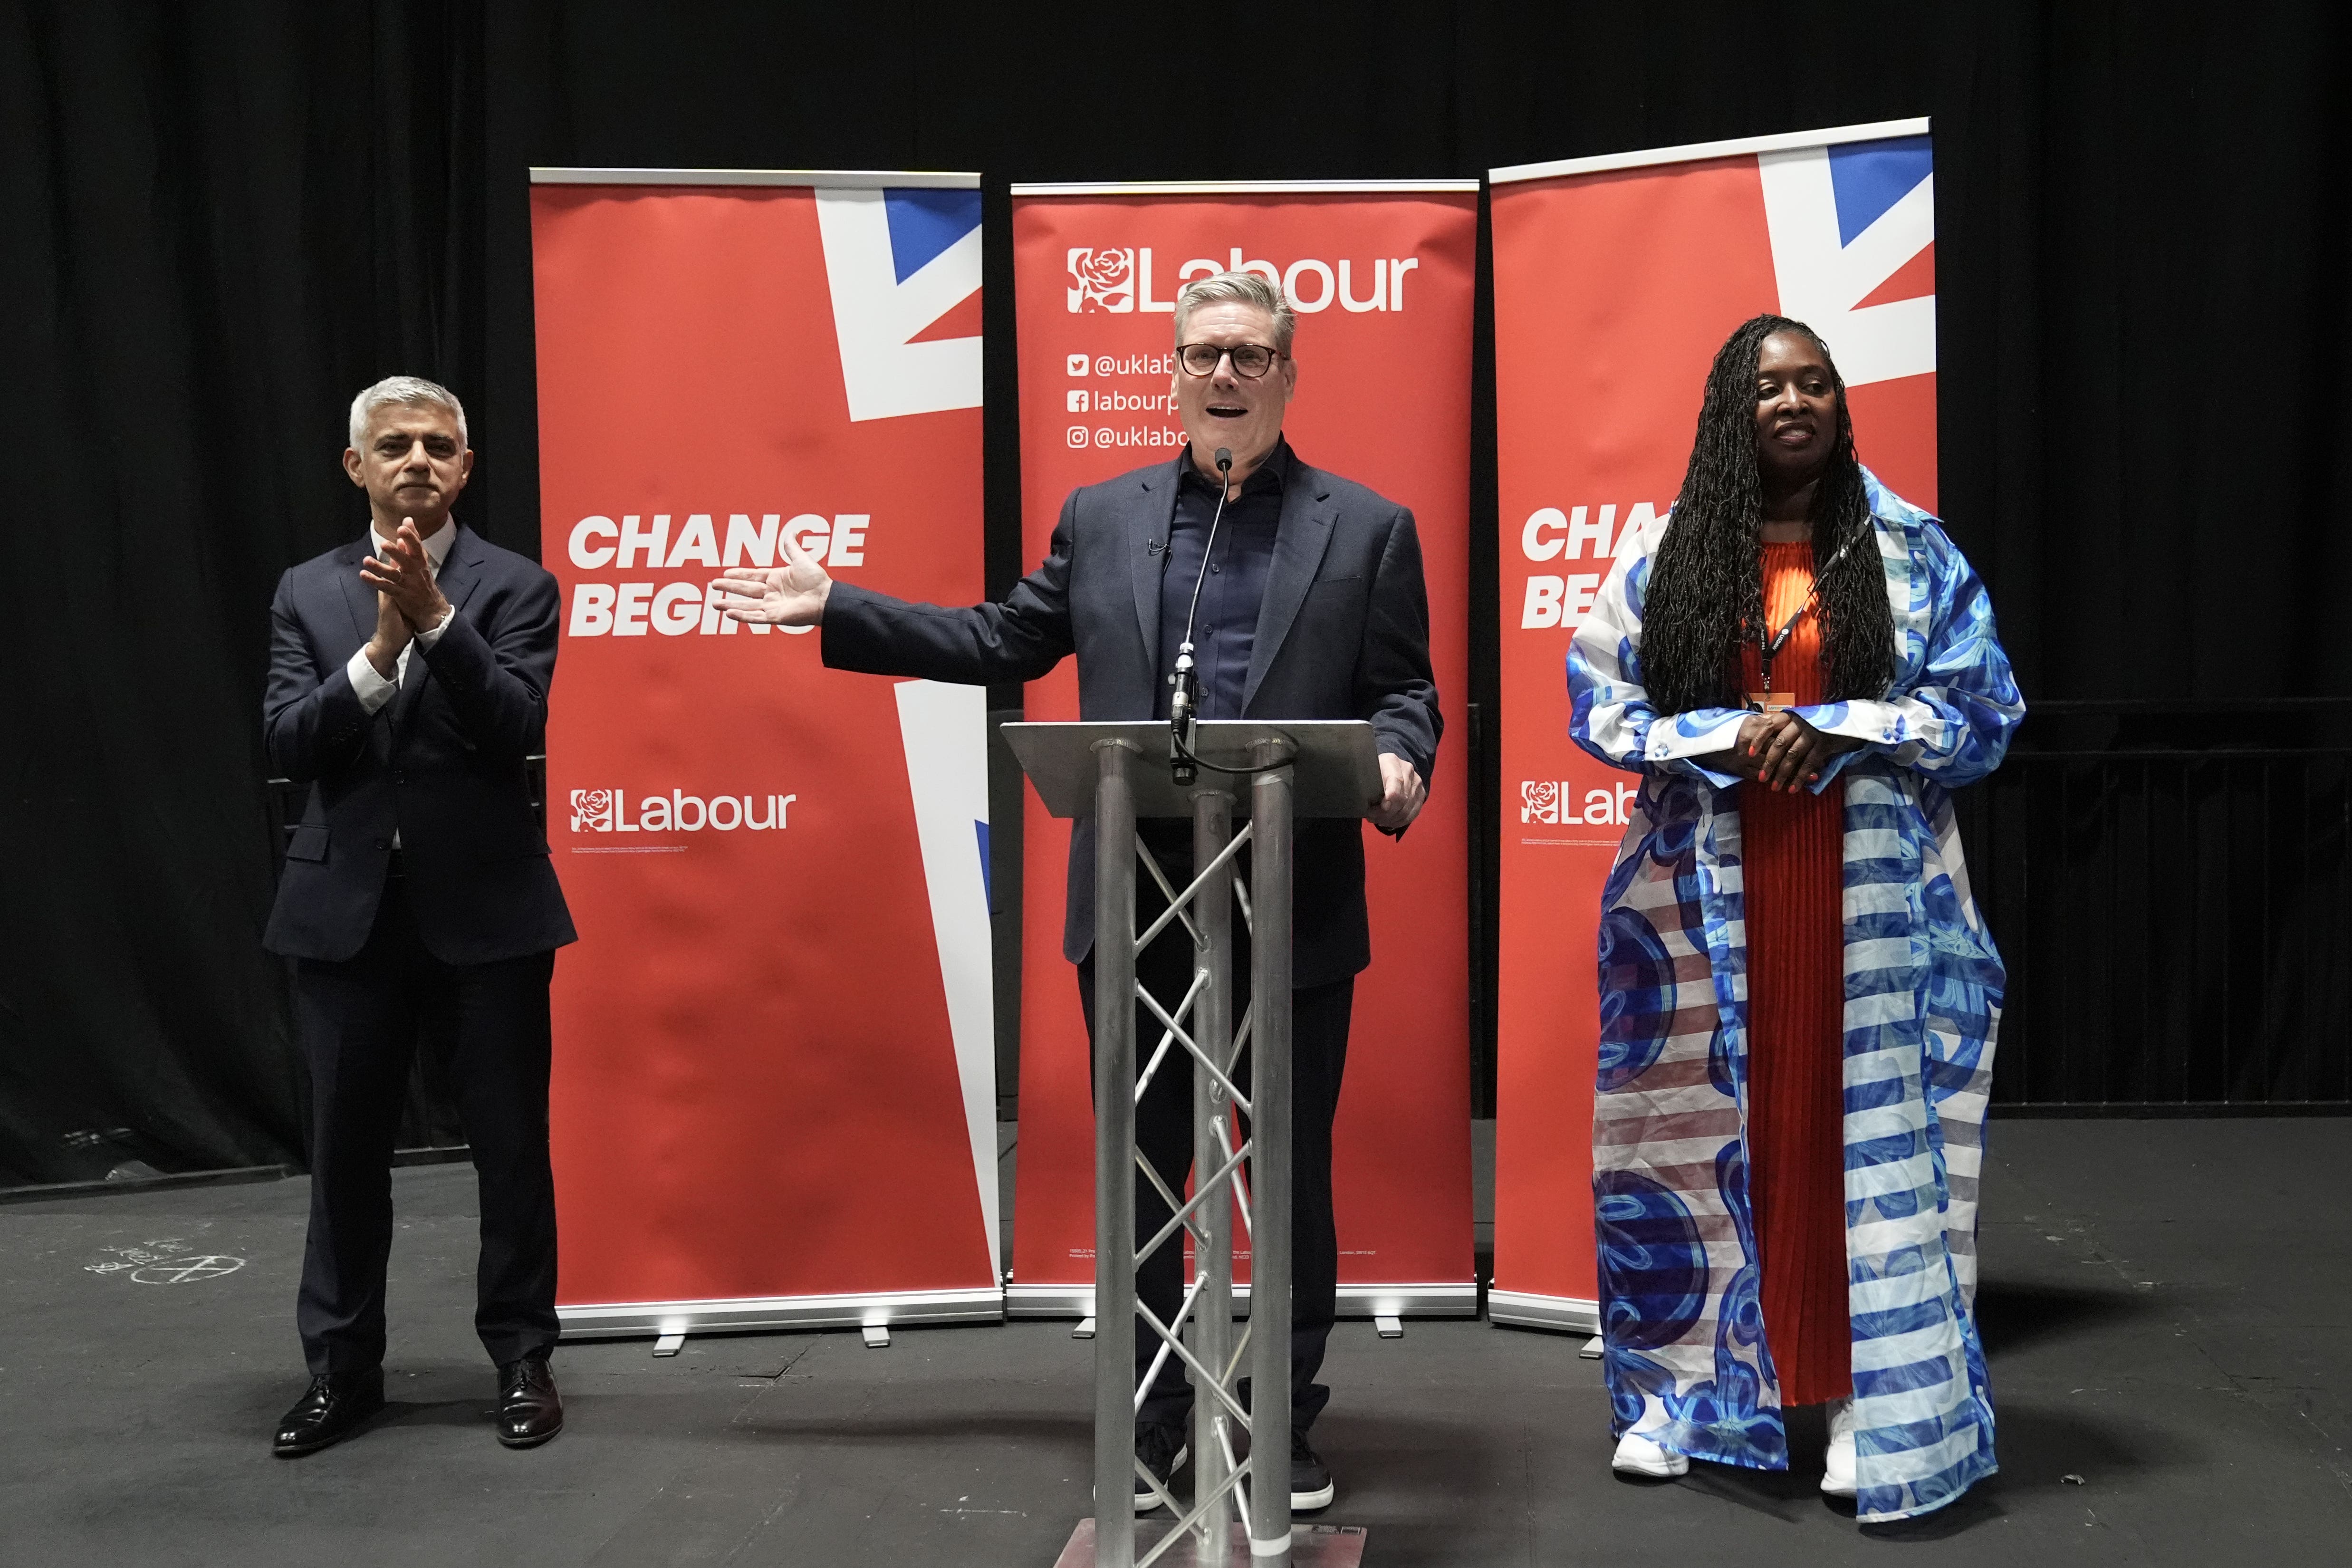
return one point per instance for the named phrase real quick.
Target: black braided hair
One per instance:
(1705, 594)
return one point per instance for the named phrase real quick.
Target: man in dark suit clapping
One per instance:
(1310, 605)
(408, 676)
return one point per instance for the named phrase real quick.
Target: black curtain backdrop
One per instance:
(217, 221)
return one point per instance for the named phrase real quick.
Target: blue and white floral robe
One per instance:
(1686, 1357)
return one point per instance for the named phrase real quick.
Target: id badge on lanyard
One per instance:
(1768, 649)
(1768, 644)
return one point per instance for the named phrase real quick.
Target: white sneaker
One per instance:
(1637, 1456)
(1837, 1471)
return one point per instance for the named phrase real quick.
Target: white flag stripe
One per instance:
(945, 728)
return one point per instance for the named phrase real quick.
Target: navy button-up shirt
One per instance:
(1226, 629)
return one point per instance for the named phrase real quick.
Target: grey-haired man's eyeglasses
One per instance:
(1250, 360)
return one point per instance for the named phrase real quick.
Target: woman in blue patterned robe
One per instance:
(1686, 1357)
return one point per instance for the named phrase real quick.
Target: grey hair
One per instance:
(412, 390)
(1244, 288)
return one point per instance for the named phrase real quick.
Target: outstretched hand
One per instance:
(793, 594)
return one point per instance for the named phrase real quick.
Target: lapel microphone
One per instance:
(1183, 706)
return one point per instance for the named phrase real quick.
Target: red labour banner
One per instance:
(773, 1099)
(1616, 279)
(1381, 276)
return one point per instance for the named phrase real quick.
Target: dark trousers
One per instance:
(1163, 1134)
(361, 1021)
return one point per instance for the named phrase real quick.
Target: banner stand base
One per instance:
(1526, 1310)
(666, 1320)
(1427, 1301)
(1311, 1546)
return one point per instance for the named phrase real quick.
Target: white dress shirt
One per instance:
(374, 690)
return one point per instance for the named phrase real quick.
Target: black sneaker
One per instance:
(1310, 1478)
(1162, 1451)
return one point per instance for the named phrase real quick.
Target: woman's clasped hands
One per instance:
(1780, 751)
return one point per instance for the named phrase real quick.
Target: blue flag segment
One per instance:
(1868, 178)
(925, 223)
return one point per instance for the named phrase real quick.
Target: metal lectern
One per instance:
(1274, 773)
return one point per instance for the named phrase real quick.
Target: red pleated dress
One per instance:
(1794, 866)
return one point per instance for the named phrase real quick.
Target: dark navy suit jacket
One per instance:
(441, 764)
(1342, 633)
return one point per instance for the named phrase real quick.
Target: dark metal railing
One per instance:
(2170, 884)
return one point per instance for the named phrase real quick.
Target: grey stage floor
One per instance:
(2166, 1306)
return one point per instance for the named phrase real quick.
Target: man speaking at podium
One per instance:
(1303, 597)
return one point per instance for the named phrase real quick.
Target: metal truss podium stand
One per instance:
(1116, 774)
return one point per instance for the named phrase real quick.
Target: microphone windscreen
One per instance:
(1224, 457)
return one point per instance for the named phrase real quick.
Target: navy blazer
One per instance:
(441, 764)
(1342, 633)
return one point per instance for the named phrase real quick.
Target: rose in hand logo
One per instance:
(1102, 280)
(592, 810)
(1539, 800)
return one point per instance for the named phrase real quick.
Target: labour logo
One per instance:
(1556, 801)
(592, 810)
(607, 811)
(1102, 280)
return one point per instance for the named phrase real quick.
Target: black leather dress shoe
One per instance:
(331, 1411)
(530, 1410)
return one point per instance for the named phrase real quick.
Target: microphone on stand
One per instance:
(1184, 705)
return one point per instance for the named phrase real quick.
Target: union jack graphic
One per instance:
(1853, 249)
(904, 269)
